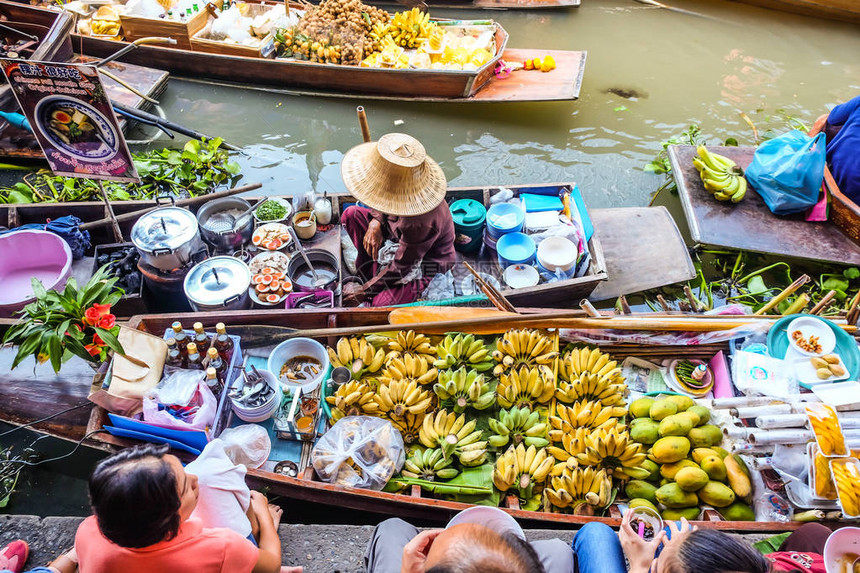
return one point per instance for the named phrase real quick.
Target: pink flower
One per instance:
(91, 316)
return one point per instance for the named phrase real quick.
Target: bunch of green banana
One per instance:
(526, 387)
(464, 389)
(357, 354)
(614, 449)
(720, 175)
(401, 397)
(523, 348)
(594, 387)
(578, 487)
(455, 436)
(410, 343)
(409, 426)
(585, 414)
(407, 368)
(354, 398)
(522, 469)
(463, 350)
(518, 425)
(429, 464)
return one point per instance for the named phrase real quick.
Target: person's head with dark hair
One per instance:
(141, 495)
(709, 551)
(473, 548)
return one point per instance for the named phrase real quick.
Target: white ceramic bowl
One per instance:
(557, 254)
(286, 204)
(811, 326)
(299, 347)
(519, 276)
(264, 411)
(843, 541)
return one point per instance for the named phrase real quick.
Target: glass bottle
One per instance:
(182, 339)
(195, 361)
(217, 363)
(223, 342)
(201, 339)
(174, 355)
(213, 382)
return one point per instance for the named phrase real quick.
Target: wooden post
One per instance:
(823, 302)
(117, 232)
(362, 122)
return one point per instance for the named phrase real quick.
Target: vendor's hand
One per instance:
(415, 552)
(639, 552)
(259, 503)
(373, 238)
(352, 294)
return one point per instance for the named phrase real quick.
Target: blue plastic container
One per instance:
(504, 218)
(515, 248)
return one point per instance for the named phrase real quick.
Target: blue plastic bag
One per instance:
(787, 171)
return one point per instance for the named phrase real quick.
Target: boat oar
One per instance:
(166, 124)
(131, 46)
(19, 32)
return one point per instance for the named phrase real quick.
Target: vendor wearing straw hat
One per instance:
(405, 234)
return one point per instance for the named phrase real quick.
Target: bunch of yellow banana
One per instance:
(464, 388)
(455, 436)
(586, 360)
(401, 397)
(407, 368)
(581, 486)
(595, 387)
(572, 444)
(585, 414)
(411, 344)
(522, 469)
(518, 425)
(409, 28)
(357, 354)
(526, 387)
(847, 477)
(379, 31)
(463, 350)
(720, 175)
(611, 449)
(525, 347)
(354, 398)
(429, 465)
(409, 426)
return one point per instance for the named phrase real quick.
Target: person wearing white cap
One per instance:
(477, 540)
(404, 233)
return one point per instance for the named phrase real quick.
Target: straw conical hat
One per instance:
(394, 175)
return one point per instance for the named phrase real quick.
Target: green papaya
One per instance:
(675, 514)
(705, 436)
(702, 412)
(671, 495)
(641, 407)
(662, 408)
(641, 489)
(716, 494)
(738, 511)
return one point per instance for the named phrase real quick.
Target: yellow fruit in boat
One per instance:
(528, 65)
(537, 62)
(548, 64)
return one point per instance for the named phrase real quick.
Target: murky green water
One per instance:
(686, 69)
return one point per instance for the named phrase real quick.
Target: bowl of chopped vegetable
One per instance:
(273, 210)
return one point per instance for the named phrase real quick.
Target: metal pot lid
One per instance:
(164, 228)
(217, 280)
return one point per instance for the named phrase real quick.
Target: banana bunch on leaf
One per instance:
(429, 464)
(526, 387)
(358, 355)
(410, 343)
(401, 397)
(407, 368)
(525, 347)
(355, 398)
(518, 426)
(455, 436)
(613, 450)
(409, 426)
(463, 350)
(522, 469)
(579, 489)
(572, 444)
(464, 389)
(720, 175)
(585, 414)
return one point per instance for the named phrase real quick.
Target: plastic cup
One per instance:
(648, 520)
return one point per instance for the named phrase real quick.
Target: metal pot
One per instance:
(226, 240)
(319, 258)
(167, 238)
(219, 283)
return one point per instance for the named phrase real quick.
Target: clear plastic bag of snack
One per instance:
(359, 451)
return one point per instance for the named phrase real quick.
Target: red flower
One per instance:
(107, 321)
(97, 340)
(102, 309)
(91, 316)
(93, 349)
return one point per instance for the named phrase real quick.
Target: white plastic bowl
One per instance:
(299, 347)
(557, 254)
(264, 411)
(845, 540)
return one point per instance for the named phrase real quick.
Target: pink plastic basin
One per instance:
(25, 255)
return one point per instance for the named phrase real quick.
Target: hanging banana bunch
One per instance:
(358, 355)
(401, 397)
(409, 426)
(518, 426)
(526, 387)
(429, 464)
(579, 489)
(463, 350)
(408, 368)
(464, 389)
(410, 343)
(355, 398)
(522, 470)
(613, 450)
(525, 347)
(585, 414)
(455, 436)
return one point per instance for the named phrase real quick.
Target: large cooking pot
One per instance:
(219, 283)
(222, 237)
(324, 263)
(167, 238)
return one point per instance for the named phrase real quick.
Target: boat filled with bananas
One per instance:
(550, 417)
(338, 48)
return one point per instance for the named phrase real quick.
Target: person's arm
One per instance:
(269, 555)
(415, 552)
(639, 552)
(65, 563)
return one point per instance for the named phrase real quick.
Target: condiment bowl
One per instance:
(292, 348)
(284, 203)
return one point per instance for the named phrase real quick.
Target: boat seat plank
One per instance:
(749, 225)
(561, 84)
(643, 249)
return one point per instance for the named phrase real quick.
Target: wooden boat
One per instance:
(494, 4)
(840, 10)
(20, 403)
(302, 77)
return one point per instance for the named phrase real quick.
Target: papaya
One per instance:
(640, 502)
(646, 432)
(714, 467)
(701, 453)
(737, 475)
(671, 495)
(705, 436)
(641, 489)
(677, 425)
(675, 514)
(702, 412)
(668, 471)
(692, 416)
(662, 408)
(641, 407)
(670, 449)
(720, 452)
(691, 478)
(716, 494)
(651, 467)
(683, 403)
(738, 511)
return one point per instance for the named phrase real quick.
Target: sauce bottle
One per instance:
(217, 363)
(213, 382)
(201, 339)
(174, 355)
(195, 361)
(223, 342)
(181, 338)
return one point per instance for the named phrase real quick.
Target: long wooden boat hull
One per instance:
(841, 10)
(491, 4)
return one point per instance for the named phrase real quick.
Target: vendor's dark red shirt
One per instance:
(428, 237)
(791, 560)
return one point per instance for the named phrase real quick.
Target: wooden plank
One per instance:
(749, 225)
(561, 84)
(839, 10)
(643, 249)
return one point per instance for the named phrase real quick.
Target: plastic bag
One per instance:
(198, 413)
(359, 451)
(787, 171)
(178, 387)
(249, 445)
